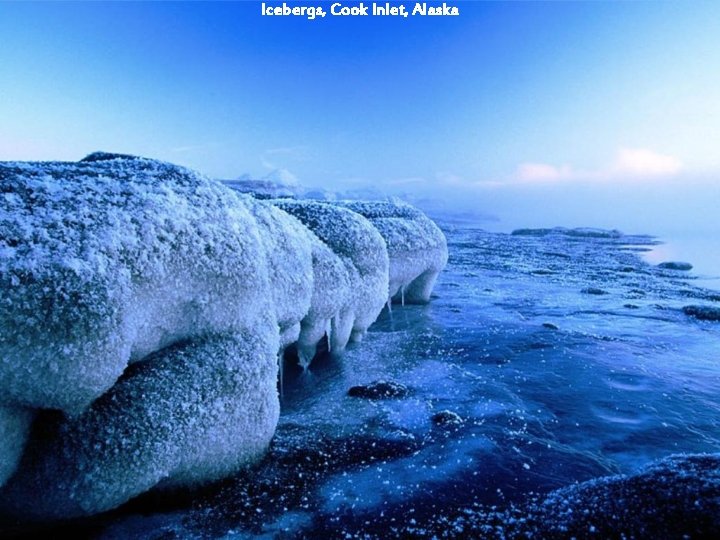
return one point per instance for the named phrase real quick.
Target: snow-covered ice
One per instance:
(143, 308)
(364, 254)
(189, 414)
(416, 246)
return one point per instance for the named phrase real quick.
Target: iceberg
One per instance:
(362, 251)
(143, 308)
(416, 246)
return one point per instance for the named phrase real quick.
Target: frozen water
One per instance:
(142, 314)
(108, 260)
(364, 254)
(416, 246)
(553, 386)
(190, 414)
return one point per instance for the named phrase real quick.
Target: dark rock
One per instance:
(447, 419)
(550, 326)
(594, 290)
(631, 306)
(542, 272)
(105, 156)
(580, 232)
(379, 390)
(703, 313)
(673, 265)
(678, 497)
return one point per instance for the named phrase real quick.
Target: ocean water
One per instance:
(564, 357)
(701, 249)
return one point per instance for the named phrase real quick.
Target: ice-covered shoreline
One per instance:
(148, 304)
(533, 394)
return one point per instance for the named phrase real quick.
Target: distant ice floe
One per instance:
(143, 308)
(579, 232)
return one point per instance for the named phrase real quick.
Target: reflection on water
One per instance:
(702, 250)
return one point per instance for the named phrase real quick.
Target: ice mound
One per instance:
(189, 414)
(142, 310)
(106, 261)
(363, 253)
(289, 247)
(416, 246)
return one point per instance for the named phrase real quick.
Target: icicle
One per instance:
(281, 369)
(328, 333)
(304, 358)
(389, 305)
(402, 294)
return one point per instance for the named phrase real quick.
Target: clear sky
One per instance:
(533, 111)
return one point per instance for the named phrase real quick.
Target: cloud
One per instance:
(530, 172)
(297, 152)
(628, 164)
(640, 162)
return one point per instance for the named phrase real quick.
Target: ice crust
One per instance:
(143, 307)
(363, 253)
(193, 413)
(416, 246)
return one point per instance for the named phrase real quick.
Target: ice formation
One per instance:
(416, 246)
(193, 413)
(143, 306)
(363, 253)
(104, 262)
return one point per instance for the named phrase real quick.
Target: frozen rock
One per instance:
(108, 260)
(379, 390)
(289, 248)
(363, 252)
(188, 414)
(447, 419)
(416, 246)
(331, 297)
(703, 313)
(674, 265)
(674, 497)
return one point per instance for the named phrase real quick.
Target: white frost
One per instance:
(363, 252)
(142, 310)
(416, 246)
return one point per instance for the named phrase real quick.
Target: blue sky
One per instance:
(508, 105)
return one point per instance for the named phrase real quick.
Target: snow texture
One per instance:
(143, 307)
(416, 246)
(193, 413)
(362, 251)
(104, 262)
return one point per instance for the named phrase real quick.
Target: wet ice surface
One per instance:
(567, 358)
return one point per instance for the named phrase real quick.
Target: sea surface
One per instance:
(542, 360)
(701, 249)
